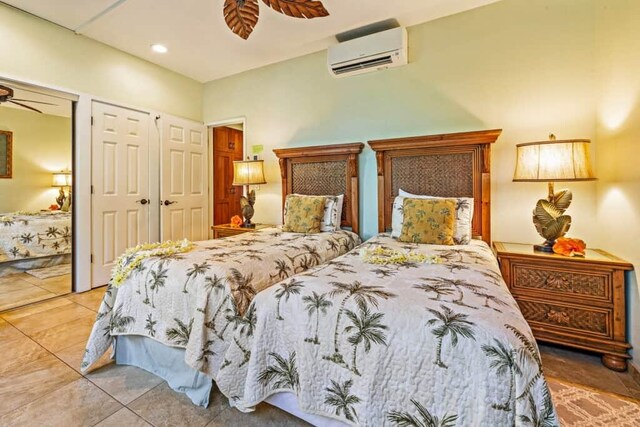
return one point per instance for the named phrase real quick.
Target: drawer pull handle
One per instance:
(558, 317)
(558, 282)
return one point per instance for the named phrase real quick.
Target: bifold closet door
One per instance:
(120, 185)
(183, 190)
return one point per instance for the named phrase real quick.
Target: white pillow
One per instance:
(332, 212)
(464, 215)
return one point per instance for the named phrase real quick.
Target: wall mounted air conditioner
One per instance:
(374, 52)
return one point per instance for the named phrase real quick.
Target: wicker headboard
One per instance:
(320, 170)
(446, 165)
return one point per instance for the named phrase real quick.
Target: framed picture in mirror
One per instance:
(5, 153)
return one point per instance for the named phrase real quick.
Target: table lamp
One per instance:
(61, 180)
(553, 161)
(246, 173)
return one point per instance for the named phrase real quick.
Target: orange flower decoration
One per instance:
(236, 221)
(54, 207)
(569, 247)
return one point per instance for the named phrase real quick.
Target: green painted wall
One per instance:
(41, 145)
(36, 50)
(618, 134)
(518, 65)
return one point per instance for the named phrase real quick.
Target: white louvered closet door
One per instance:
(120, 184)
(184, 172)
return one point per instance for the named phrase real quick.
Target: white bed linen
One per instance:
(35, 235)
(375, 345)
(195, 300)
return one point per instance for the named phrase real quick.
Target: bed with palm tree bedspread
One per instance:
(26, 235)
(195, 300)
(412, 344)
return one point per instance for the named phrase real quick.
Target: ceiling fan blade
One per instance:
(26, 106)
(32, 101)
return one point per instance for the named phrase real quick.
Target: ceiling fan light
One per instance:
(158, 48)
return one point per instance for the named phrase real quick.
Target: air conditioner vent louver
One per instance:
(385, 49)
(371, 63)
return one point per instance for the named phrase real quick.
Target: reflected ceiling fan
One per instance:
(241, 16)
(6, 95)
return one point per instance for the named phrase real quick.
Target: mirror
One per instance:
(36, 134)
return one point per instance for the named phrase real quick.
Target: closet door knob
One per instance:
(168, 202)
(143, 201)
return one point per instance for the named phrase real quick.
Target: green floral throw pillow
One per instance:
(430, 221)
(303, 214)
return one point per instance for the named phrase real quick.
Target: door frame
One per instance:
(210, 126)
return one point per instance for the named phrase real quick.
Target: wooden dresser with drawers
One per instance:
(573, 301)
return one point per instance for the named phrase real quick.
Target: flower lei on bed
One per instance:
(382, 256)
(132, 257)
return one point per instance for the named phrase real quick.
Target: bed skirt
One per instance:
(166, 363)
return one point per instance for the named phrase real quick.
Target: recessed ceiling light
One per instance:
(158, 48)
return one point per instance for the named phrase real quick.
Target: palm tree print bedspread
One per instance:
(196, 300)
(399, 345)
(34, 235)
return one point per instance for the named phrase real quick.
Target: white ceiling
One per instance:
(200, 44)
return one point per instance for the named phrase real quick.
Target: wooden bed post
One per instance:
(381, 207)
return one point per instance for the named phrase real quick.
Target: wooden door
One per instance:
(120, 185)
(183, 183)
(227, 148)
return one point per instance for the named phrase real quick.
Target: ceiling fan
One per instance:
(241, 16)
(6, 95)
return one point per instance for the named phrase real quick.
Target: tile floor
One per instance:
(19, 289)
(40, 383)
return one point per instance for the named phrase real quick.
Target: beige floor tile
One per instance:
(31, 279)
(123, 418)
(8, 332)
(20, 297)
(30, 381)
(65, 335)
(91, 299)
(122, 382)
(14, 285)
(34, 309)
(60, 285)
(19, 351)
(13, 277)
(264, 416)
(51, 318)
(79, 403)
(73, 355)
(581, 368)
(162, 406)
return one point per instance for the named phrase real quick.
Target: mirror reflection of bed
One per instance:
(35, 197)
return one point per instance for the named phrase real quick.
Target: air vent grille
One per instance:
(376, 62)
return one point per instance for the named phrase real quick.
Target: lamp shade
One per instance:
(566, 160)
(61, 179)
(248, 172)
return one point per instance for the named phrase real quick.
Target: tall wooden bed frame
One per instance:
(323, 170)
(445, 165)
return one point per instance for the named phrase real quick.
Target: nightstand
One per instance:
(226, 230)
(573, 301)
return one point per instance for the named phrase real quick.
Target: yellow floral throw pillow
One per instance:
(430, 221)
(303, 214)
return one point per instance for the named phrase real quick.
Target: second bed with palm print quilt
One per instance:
(409, 344)
(195, 300)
